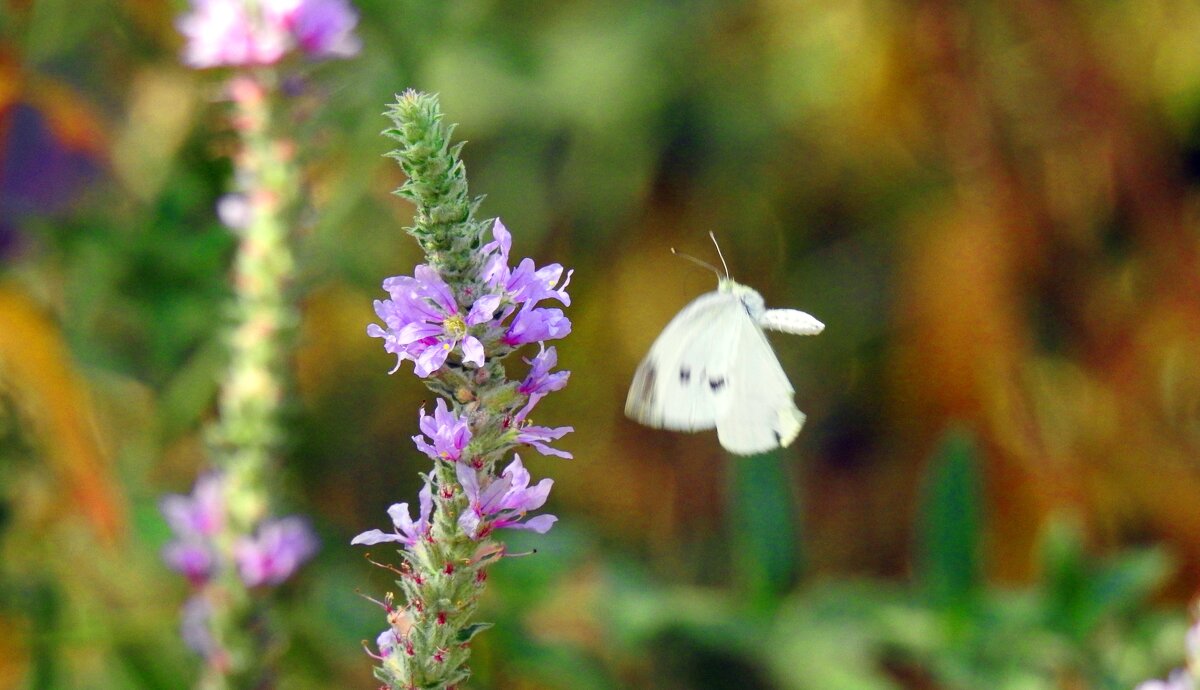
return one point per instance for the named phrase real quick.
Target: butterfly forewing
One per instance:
(683, 383)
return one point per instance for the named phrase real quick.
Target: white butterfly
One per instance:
(712, 366)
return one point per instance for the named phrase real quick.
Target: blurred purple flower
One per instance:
(386, 642)
(239, 33)
(191, 558)
(44, 163)
(424, 323)
(449, 434)
(223, 33)
(324, 28)
(194, 628)
(235, 211)
(279, 548)
(200, 514)
(504, 502)
(1179, 679)
(407, 531)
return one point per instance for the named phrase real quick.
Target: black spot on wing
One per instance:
(685, 376)
(717, 384)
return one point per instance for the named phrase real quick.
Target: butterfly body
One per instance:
(713, 367)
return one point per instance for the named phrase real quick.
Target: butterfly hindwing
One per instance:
(764, 416)
(683, 383)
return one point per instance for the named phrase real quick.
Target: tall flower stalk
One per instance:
(228, 544)
(456, 318)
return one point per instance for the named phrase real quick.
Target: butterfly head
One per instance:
(749, 297)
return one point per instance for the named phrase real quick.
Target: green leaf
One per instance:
(949, 527)
(766, 546)
(1130, 579)
(471, 631)
(1065, 578)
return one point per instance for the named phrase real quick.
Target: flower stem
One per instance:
(245, 437)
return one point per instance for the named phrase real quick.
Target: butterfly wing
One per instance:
(761, 415)
(682, 384)
(791, 321)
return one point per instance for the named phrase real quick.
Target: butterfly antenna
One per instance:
(696, 261)
(713, 237)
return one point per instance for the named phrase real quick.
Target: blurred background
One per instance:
(993, 206)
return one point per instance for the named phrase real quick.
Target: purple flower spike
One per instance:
(531, 325)
(199, 515)
(271, 557)
(448, 433)
(504, 502)
(407, 532)
(424, 323)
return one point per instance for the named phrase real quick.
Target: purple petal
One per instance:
(472, 350)
(431, 359)
(469, 479)
(416, 331)
(194, 626)
(325, 28)
(540, 524)
(386, 642)
(470, 523)
(437, 288)
(401, 518)
(426, 500)
(483, 310)
(193, 560)
(375, 536)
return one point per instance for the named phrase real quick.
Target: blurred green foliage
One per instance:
(992, 206)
